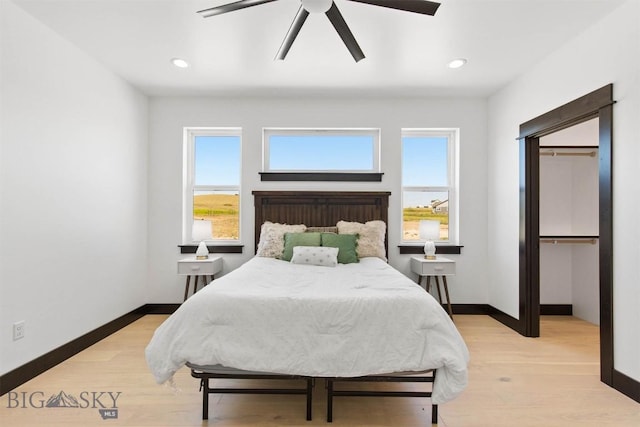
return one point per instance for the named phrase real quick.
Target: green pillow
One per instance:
(346, 243)
(298, 239)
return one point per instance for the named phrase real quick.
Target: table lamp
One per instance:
(429, 231)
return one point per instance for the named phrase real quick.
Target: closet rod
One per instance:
(568, 153)
(572, 241)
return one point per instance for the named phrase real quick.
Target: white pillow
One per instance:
(371, 237)
(271, 243)
(315, 255)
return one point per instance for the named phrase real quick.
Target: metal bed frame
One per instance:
(332, 392)
(205, 375)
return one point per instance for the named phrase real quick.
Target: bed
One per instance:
(285, 319)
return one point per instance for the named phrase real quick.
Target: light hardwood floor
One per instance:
(513, 381)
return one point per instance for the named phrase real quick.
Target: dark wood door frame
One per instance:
(597, 104)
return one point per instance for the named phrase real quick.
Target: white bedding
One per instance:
(351, 320)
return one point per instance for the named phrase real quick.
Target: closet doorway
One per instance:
(582, 227)
(569, 215)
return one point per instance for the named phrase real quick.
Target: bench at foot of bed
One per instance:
(332, 392)
(205, 373)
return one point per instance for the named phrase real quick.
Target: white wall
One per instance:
(606, 53)
(569, 184)
(73, 191)
(585, 292)
(556, 278)
(170, 115)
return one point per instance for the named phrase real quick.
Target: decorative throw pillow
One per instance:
(371, 237)
(346, 243)
(298, 239)
(318, 255)
(271, 244)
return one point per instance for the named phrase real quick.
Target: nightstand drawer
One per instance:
(205, 267)
(438, 267)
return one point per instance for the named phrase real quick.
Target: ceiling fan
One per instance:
(329, 8)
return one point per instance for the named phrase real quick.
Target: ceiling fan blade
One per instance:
(343, 30)
(218, 10)
(417, 6)
(301, 16)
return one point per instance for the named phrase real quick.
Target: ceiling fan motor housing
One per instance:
(316, 6)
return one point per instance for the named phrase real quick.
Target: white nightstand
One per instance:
(199, 268)
(436, 268)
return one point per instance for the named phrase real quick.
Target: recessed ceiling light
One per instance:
(180, 63)
(457, 63)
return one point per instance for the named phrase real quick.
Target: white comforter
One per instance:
(351, 320)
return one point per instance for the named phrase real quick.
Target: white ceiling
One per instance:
(233, 53)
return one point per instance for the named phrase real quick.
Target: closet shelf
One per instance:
(569, 147)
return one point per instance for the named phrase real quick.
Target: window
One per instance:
(212, 185)
(429, 182)
(321, 150)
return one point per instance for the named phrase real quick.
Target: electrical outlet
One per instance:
(18, 330)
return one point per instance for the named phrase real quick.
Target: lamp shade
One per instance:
(201, 230)
(429, 231)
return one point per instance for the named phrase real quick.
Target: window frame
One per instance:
(267, 132)
(453, 140)
(189, 186)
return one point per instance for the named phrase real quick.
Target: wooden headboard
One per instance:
(319, 208)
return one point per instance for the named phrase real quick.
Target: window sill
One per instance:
(213, 249)
(440, 249)
(321, 176)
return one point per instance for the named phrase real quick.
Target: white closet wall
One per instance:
(585, 284)
(569, 212)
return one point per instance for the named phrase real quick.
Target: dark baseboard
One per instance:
(556, 310)
(545, 309)
(626, 385)
(32, 369)
(505, 319)
(469, 308)
(160, 308)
